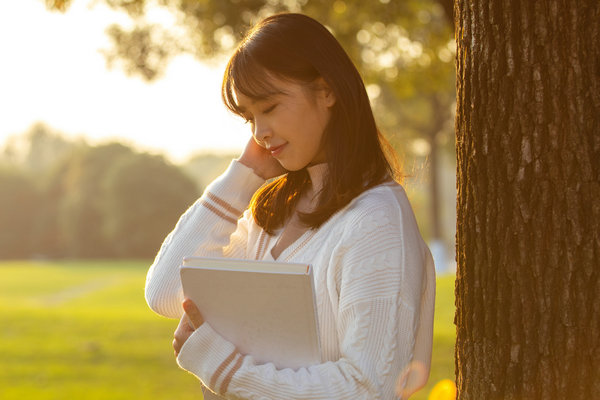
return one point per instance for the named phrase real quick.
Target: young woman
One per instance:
(334, 203)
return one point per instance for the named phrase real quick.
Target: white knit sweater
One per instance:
(374, 282)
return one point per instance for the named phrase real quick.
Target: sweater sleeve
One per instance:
(204, 229)
(379, 284)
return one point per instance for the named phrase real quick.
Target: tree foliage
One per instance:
(156, 190)
(404, 49)
(36, 150)
(81, 209)
(88, 201)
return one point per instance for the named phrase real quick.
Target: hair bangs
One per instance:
(245, 75)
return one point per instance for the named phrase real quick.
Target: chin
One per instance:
(293, 166)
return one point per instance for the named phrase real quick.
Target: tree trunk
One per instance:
(437, 125)
(528, 243)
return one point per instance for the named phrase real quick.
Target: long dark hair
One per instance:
(295, 46)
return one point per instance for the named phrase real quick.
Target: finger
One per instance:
(176, 347)
(193, 313)
(183, 325)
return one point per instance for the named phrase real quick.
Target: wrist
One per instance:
(248, 163)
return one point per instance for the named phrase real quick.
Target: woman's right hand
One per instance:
(260, 160)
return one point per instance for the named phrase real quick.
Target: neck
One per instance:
(317, 175)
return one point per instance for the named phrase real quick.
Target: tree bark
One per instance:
(528, 168)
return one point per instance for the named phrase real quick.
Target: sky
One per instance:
(52, 71)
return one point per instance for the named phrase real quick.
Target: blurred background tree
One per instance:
(158, 192)
(19, 200)
(66, 198)
(81, 207)
(205, 167)
(404, 50)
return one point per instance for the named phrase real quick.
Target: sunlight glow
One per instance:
(52, 71)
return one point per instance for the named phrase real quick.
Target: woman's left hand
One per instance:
(190, 321)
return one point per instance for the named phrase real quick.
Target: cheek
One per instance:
(320, 124)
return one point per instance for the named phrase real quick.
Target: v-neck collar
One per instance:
(293, 248)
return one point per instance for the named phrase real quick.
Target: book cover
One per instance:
(267, 309)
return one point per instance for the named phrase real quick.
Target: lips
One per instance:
(276, 150)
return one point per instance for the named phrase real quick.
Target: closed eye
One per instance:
(269, 109)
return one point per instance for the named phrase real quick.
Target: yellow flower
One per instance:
(443, 390)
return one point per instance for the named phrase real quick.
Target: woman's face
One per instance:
(291, 122)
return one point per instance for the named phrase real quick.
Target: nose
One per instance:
(261, 132)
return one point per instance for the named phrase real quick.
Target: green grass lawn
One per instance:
(82, 330)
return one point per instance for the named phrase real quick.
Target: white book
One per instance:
(267, 309)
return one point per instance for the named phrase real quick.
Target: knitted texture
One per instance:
(374, 282)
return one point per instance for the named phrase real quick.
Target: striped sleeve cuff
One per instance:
(211, 358)
(220, 207)
(232, 191)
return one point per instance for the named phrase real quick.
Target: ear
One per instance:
(325, 93)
